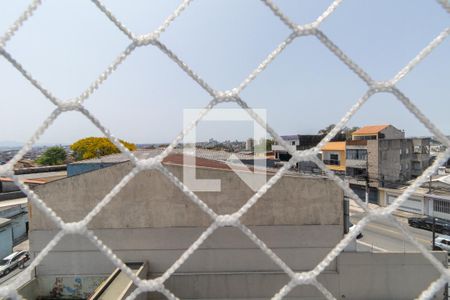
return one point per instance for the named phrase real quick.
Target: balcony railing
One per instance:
(332, 162)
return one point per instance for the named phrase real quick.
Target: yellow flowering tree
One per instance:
(93, 147)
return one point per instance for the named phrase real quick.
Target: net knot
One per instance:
(74, 227)
(151, 285)
(308, 29)
(147, 164)
(304, 278)
(227, 220)
(69, 106)
(145, 39)
(382, 86)
(226, 96)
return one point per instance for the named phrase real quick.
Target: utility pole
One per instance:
(434, 232)
(367, 180)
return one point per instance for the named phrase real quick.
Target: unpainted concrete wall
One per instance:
(391, 132)
(151, 200)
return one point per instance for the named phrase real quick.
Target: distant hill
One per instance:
(10, 144)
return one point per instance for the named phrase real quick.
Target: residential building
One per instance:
(16, 211)
(432, 199)
(301, 142)
(380, 155)
(301, 218)
(334, 156)
(250, 144)
(421, 158)
(377, 132)
(295, 142)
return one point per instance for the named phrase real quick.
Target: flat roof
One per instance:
(4, 222)
(13, 202)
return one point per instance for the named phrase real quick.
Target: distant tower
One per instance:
(250, 144)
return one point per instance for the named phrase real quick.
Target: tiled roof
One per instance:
(373, 129)
(27, 181)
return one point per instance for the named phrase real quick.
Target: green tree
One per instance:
(345, 131)
(326, 130)
(52, 156)
(93, 147)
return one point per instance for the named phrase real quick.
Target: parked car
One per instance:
(352, 227)
(442, 242)
(12, 261)
(441, 225)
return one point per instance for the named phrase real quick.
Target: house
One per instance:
(295, 142)
(377, 132)
(381, 156)
(432, 199)
(301, 218)
(16, 210)
(334, 156)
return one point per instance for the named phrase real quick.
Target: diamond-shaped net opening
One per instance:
(152, 39)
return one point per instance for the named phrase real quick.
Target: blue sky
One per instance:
(68, 43)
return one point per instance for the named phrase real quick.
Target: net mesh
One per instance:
(233, 95)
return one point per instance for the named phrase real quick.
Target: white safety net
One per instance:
(233, 95)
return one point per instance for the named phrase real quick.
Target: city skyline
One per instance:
(304, 90)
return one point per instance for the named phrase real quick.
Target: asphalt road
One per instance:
(383, 236)
(7, 279)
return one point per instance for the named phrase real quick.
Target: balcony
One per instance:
(332, 162)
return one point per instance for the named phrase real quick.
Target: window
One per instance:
(356, 172)
(441, 206)
(293, 143)
(357, 154)
(365, 138)
(333, 160)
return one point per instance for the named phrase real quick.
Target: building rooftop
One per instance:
(147, 153)
(4, 222)
(372, 129)
(14, 202)
(334, 146)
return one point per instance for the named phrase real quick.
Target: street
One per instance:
(7, 279)
(383, 237)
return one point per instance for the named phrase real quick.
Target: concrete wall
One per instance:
(227, 250)
(373, 161)
(152, 220)
(395, 160)
(391, 132)
(151, 200)
(386, 275)
(300, 219)
(360, 276)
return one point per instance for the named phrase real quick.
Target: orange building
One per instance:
(333, 156)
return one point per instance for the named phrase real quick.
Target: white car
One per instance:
(351, 228)
(13, 261)
(442, 242)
